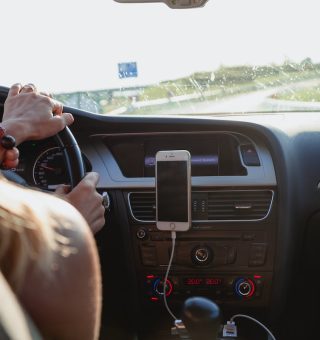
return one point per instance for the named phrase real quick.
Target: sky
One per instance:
(73, 45)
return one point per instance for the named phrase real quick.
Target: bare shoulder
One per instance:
(59, 254)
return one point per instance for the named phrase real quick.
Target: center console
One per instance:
(227, 255)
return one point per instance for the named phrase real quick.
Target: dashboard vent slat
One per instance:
(221, 205)
(239, 205)
(143, 206)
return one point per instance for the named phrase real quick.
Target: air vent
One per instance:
(143, 206)
(219, 205)
(238, 205)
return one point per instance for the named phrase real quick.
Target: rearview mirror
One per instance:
(178, 4)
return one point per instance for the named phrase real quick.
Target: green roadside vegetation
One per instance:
(306, 94)
(223, 82)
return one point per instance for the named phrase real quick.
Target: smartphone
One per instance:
(173, 190)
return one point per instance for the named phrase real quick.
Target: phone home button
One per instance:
(172, 226)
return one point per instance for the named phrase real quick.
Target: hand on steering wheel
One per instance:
(32, 115)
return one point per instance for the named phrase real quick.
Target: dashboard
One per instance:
(255, 203)
(254, 193)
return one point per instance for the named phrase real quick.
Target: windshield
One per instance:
(232, 56)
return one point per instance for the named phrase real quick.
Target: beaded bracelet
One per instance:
(8, 142)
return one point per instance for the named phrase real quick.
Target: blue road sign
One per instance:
(128, 70)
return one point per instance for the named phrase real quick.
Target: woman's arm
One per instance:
(59, 283)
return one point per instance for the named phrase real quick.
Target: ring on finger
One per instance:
(28, 88)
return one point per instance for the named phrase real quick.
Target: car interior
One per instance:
(255, 200)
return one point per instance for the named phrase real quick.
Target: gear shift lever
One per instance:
(201, 318)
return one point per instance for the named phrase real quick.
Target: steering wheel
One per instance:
(66, 141)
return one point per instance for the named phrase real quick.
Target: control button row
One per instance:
(257, 255)
(243, 288)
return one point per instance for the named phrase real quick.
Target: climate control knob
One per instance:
(244, 287)
(158, 287)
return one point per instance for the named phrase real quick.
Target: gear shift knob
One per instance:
(201, 318)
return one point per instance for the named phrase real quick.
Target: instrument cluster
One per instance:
(42, 164)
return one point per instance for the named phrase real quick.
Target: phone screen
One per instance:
(172, 191)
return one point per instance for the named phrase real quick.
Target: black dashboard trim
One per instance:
(208, 221)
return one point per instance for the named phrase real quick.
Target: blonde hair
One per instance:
(28, 233)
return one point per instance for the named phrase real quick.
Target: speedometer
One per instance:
(50, 170)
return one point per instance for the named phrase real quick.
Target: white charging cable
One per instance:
(173, 238)
(230, 329)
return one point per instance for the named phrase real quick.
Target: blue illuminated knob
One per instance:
(244, 288)
(158, 287)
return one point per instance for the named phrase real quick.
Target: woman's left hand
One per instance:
(31, 115)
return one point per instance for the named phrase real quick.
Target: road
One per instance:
(257, 101)
(253, 101)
